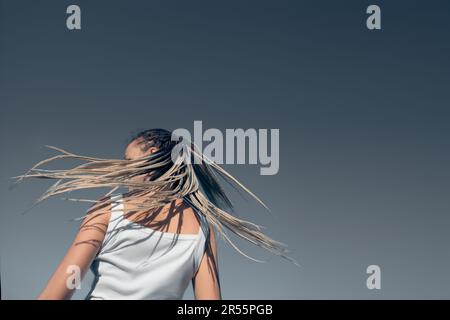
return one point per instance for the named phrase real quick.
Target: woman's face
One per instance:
(134, 151)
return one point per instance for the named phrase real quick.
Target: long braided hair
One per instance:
(170, 178)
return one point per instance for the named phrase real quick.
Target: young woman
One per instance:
(152, 241)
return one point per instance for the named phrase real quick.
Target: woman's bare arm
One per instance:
(206, 280)
(79, 256)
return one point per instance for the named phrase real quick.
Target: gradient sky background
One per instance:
(363, 116)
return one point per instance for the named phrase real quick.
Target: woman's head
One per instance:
(149, 141)
(146, 143)
(161, 141)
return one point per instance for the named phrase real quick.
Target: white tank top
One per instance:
(136, 262)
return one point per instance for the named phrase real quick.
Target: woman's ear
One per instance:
(152, 149)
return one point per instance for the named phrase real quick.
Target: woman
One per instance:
(151, 241)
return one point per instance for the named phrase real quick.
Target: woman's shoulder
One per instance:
(186, 213)
(99, 212)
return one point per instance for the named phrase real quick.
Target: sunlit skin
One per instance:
(92, 231)
(133, 151)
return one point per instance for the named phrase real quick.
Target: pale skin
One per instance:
(86, 244)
